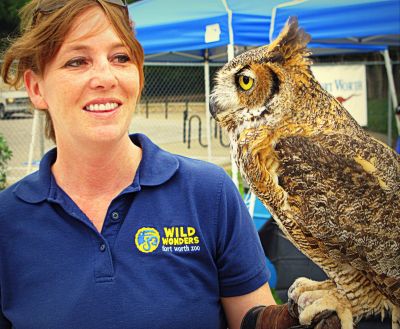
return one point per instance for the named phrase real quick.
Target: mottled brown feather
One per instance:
(333, 188)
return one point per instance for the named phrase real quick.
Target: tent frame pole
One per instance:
(35, 124)
(231, 55)
(392, 89)
(389, 121)
(207, 103)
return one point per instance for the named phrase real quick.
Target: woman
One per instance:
(113, 232)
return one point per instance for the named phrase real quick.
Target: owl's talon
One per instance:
(326, 320)
(293, 308)
(320, 317)
(331, 322)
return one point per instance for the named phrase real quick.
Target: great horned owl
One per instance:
(333, 190)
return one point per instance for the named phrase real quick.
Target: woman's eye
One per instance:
(76, 62)
(121, 58)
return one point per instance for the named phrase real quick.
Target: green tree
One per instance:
(9, 20)
(5, 155)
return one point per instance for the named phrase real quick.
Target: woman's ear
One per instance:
(32, 85)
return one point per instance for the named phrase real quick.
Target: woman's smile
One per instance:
(103, 107)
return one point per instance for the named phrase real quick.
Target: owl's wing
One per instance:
(348, 200)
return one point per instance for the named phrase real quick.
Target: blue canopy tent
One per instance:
(343, 21)
(173, 26)
(179, 30)
(350, 23)
(200, 29)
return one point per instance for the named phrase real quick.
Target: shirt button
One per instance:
(115, 215)
(102, 247)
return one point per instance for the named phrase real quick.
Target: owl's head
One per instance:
(256, 87)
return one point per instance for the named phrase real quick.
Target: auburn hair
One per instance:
(41, 38)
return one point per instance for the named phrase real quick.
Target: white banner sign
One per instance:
(348, 84)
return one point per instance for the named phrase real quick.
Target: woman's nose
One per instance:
(103, 76)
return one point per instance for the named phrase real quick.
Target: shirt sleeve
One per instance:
(240, 257)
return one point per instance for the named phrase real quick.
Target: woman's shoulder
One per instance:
(7, 195)
(19, 193)
(202, 176)
(8, 201)
(195, 168)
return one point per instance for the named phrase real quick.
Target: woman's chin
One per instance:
(103, 135)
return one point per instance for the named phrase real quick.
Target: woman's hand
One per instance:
(285, 317)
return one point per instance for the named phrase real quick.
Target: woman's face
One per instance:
(91, 86)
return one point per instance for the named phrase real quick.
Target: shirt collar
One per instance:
(156, 167)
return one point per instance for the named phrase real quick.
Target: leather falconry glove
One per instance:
(285, 317)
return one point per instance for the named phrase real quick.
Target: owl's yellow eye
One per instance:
(245, 82)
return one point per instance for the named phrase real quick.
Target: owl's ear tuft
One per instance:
(291, 45)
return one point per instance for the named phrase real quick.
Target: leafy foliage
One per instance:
(9, 20)
(5, 155)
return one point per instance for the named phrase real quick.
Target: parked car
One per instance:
(13, 101)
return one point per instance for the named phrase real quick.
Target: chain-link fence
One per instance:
(172, 112)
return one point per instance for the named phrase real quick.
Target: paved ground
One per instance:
(167, 133)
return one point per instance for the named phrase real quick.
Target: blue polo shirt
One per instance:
(173, 242)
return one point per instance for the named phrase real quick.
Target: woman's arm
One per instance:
(236, 307)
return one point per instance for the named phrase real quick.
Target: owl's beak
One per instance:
(213, 108)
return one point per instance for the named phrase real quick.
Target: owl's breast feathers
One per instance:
(342, 191)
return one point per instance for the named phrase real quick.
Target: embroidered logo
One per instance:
(173, 239)
(147, 239)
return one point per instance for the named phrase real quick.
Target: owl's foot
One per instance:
(318, 300)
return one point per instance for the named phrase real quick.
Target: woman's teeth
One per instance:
(101, 107)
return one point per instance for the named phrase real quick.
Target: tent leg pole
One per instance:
(235, 170)
(207, 105)
(389, 122)
(392, 90)
(231, 53)
(41, 134)
(33, 141)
